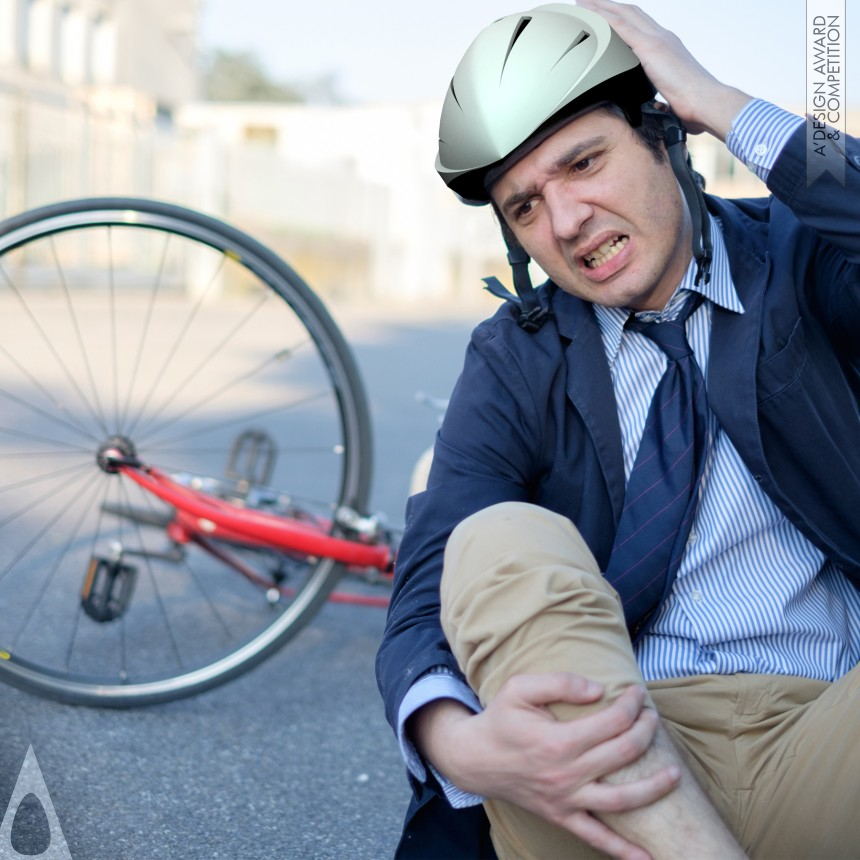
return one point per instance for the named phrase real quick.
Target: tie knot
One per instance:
(671, 335)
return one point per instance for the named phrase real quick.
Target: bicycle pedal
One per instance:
(107, 589)
(252, 459)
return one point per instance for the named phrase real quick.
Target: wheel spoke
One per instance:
(159, 377)
(59, 407)
(73, 317)
(60, 557)
(24, 509)
(113, 328)
(218, 393)
(71, 447)
(159, 602)
(33, 541)
(46, 341)
(145, 329)
(37, 479)
(199, 583)
(93, 544)
(231, 422)
(48, 416)
(194, 374)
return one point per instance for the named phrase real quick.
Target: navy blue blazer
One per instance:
(533, 418)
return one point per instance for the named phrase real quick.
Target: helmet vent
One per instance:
(518, 31)
(574, 44)
(454, 96)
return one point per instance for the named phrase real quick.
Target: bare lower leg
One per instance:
(683, 824)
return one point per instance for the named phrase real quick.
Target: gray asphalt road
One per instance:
(293, 760)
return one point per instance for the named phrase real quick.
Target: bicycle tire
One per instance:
(144, 321)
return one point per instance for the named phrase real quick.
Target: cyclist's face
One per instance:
(599, 214)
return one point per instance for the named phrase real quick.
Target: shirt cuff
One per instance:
(436, 684)
(759, 133)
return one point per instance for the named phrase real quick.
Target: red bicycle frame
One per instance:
(205, 520)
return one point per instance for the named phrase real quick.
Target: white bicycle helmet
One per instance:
(522, 76)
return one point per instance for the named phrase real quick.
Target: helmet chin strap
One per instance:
(703, 250)
(532, 313)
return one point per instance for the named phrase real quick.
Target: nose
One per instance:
(568, 212)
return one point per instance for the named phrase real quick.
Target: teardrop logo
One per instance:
(31, 783)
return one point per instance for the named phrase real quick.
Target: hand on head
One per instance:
(701, 101)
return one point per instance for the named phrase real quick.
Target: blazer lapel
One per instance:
(589, 387)
(735, 341)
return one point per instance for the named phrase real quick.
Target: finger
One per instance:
(622, 14)
(628, 12)
(604, 797)
(621, 750)
(662, 54)
(587, 732)
(545, 688)
(647, 39)
(599, 836)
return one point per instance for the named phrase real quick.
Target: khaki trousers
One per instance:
(778, 756)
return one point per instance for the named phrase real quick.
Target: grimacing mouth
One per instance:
(605, 252)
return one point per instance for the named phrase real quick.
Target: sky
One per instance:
(403, 50)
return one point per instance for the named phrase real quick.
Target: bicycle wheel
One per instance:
(141, 324)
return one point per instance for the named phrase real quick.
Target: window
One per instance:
(103, 58)
(9, 31)
(73, 36)
(261, 135)
(40, 35)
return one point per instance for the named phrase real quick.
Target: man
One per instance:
(731, 594)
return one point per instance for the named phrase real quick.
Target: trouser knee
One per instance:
(522, 592)
(514, 535)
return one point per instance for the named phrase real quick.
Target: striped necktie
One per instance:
(660, 500)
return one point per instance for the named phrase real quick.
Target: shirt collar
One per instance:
(720, 290)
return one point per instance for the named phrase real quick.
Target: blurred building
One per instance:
(86, 89)
(347, 194)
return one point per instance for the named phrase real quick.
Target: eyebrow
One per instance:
(571, 156)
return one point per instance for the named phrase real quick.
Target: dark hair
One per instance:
(650, 131)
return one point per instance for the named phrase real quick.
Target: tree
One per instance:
(237, 76)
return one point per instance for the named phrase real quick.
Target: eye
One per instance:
(583, 164)
(524, 210)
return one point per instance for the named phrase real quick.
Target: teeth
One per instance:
(606, 252)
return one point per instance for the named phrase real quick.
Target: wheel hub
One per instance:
(115, 451)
